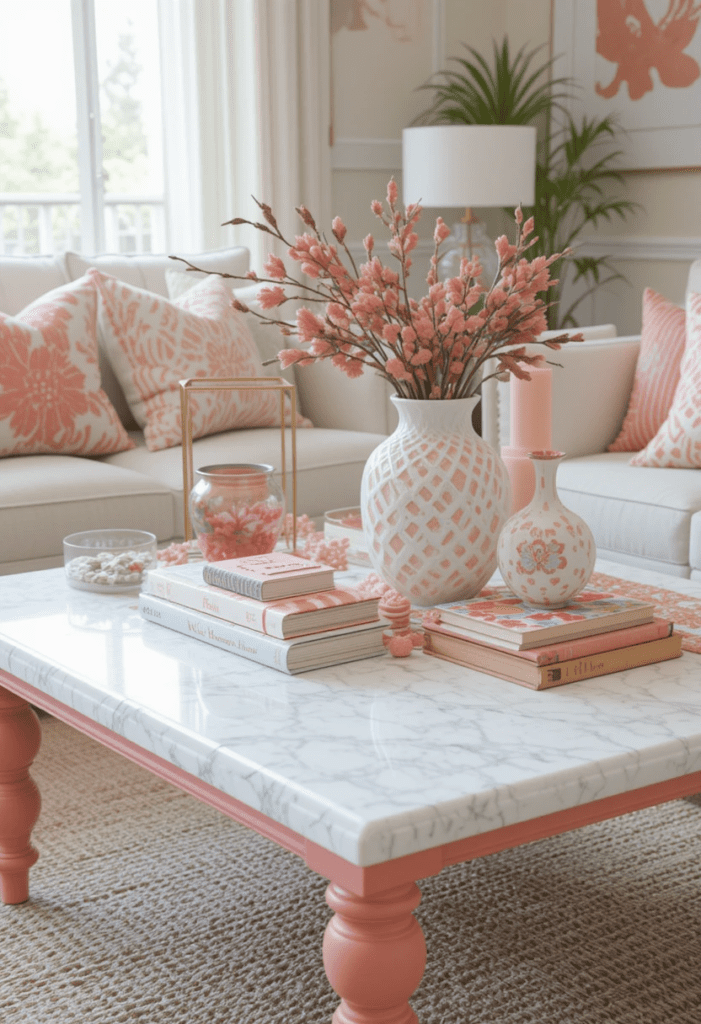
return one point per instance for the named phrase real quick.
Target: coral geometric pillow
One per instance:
(50, 395)
(153, 343)
(656, 373)
(678, 441)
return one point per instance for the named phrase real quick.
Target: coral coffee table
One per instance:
(377, 773)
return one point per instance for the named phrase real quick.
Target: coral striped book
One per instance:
(497, 615)
(296, 654)
(271, 576)
(291, 616)
(556, 664)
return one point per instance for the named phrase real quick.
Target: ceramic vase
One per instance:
(434, 497)
(546, 553)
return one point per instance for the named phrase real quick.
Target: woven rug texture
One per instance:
(147, 906)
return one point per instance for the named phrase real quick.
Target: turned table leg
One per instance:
(20, 736)
(374, 954)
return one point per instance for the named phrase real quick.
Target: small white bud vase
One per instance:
(546, 552)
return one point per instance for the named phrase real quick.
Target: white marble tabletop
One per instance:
(374, 759)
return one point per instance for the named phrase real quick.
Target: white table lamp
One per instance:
(469, 165)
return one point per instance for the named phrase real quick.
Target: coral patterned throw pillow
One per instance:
(656, 373)
(678, 441)
(153, 343)
(51, 401)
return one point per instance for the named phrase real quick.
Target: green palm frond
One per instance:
(507, 93)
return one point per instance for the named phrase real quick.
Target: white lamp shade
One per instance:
(469, 165)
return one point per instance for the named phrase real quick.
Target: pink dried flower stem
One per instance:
(434, 348)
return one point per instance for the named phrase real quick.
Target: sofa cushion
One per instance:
(153, 344)
(267, 336)
(46, 497)
(656, 372)
(678, 440)
(25, 278)
(637, 511)
(144, 271)
(329, 463)
(50, 394)
(149, 272)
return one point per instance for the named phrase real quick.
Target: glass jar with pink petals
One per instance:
(236, 510)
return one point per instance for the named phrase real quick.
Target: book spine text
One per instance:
(225, 606)
(263, 649)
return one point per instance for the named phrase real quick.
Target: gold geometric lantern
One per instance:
(278, 384)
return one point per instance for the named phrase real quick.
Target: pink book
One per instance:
(271, 576)
(288, 617)
(565, 650)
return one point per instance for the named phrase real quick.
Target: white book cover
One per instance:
(286, 617)
(297, 654)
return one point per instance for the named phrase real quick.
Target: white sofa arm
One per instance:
(591, 389)
(331, 399)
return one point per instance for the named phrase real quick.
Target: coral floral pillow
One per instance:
(678, 441)
(656, 373)
(50, 395)
(153, 343)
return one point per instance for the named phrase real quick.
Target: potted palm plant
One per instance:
(577, 181)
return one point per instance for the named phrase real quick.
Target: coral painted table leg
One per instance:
(374, 954)
(20, 736)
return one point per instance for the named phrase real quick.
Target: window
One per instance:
(81, 151)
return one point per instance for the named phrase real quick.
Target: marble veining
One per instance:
(374, 759)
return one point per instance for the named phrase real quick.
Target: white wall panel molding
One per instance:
(639, 247)
(367, 155)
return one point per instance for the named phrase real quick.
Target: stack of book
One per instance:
(277, 609)
(596, 633)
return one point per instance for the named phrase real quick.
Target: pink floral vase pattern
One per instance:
(546, 552)
(434, 497)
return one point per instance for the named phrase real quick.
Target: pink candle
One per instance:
(531, 430)
(531, 410)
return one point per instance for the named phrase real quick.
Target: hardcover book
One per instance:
(297, 654)
(564, 650)
(499, 614)
(291, 616)
(509, 666)
(267, 577)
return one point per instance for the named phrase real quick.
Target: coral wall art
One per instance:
(639, 60)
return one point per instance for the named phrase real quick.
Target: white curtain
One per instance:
(246, 113)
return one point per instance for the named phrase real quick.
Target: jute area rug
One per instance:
(147, 906)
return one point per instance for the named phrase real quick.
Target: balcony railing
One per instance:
(49, 222)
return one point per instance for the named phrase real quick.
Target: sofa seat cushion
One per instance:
(637, 511)
(695, 544)
(46, 497)
(329, 463)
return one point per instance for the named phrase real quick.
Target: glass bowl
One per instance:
(108, 561)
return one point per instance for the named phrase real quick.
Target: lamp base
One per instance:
(468, 238)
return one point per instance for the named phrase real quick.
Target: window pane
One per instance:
(38, 143)
(130, 111)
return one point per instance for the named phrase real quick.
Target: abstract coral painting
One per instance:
(628, 36)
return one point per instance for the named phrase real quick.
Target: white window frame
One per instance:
(87, 88)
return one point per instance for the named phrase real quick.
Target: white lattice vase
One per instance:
(434, 497)
(546, 552)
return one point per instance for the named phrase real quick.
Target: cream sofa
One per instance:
(640, 516)
(45, 497)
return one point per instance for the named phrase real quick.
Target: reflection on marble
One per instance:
(373, 759)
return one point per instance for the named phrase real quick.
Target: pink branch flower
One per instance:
(433, 348)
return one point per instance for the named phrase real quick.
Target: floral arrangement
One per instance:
(434, 348)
